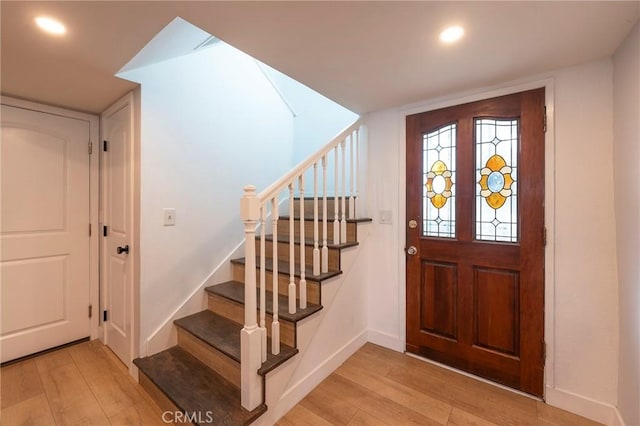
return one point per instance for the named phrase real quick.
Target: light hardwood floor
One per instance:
(377, 386)
(85, 384)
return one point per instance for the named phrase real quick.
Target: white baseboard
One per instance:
(165, 335)
(305, 385)
(386, 340)
(618, 420)
(583, 406)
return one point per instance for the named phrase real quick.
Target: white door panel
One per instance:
(44, 231)
(117, 205)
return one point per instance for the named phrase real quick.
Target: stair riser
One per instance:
(235, 312)
(156, 394)
(313, 287)
(211, 357)
(283, 230)
(308, 206)
(283, 253)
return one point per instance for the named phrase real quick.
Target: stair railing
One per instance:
(254, 209)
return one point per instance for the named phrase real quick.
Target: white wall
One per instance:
(626, 160)
(211, 123)
(318, 119)
(586, 303)
(583, 324)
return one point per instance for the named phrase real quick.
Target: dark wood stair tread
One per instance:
(224, 335)
(283, 268)
(195, 388)
(234, 290)
(215, 330)
(330, 219)
(307, 242)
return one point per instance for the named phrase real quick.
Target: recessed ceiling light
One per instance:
(50, 25)
(451, 34)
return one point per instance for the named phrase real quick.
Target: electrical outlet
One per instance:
(169, 217)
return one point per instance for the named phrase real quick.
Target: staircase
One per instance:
(203, 376)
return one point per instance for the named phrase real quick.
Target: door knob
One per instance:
(411, 251)
(124, 249)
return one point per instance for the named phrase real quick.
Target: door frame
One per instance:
(133, 100)
(95, 330)
(549, 199)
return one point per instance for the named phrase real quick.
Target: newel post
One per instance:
(250, 336)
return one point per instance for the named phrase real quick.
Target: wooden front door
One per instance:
(475, 238)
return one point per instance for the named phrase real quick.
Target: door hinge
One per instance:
(105, 231)
(544, 352)
(544, 124)
(90, 311)
(105, 317)
(544, 236)
(90, 147)
(89, 229)
(104, 146)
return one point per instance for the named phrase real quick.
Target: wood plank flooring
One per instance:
(377, 386)
(85, 384)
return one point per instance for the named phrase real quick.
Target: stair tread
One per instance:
(329, 219)
(224, 335)
(283, 268)
(215, 330)
(307, 241)
(195, 388)
(234, 290)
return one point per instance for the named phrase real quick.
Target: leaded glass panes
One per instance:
(439, 193)
(497, 146)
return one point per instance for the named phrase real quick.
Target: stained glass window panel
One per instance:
(439, 176)
(497, 146)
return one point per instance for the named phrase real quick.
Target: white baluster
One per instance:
(357, 155)
(302, 285)
(292, 254)
(336, 201)
(351, 183)
(316, 249)
(325, 232)
(263, 290)
(250, 341)
(275, 325)
(343, 224)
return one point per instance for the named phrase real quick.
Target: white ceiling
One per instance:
(364, 55)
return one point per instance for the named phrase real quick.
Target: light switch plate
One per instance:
(169, 217)
(386, 217)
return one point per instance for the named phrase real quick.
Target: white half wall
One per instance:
(626, 161)
(211, 123)
(582, 322)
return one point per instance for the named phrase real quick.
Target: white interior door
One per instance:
(44, 264)
(117, 218)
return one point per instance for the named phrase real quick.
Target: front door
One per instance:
(117, 228)
(475, 238)
(44, 231)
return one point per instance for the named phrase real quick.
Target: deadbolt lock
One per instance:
(413, 224)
